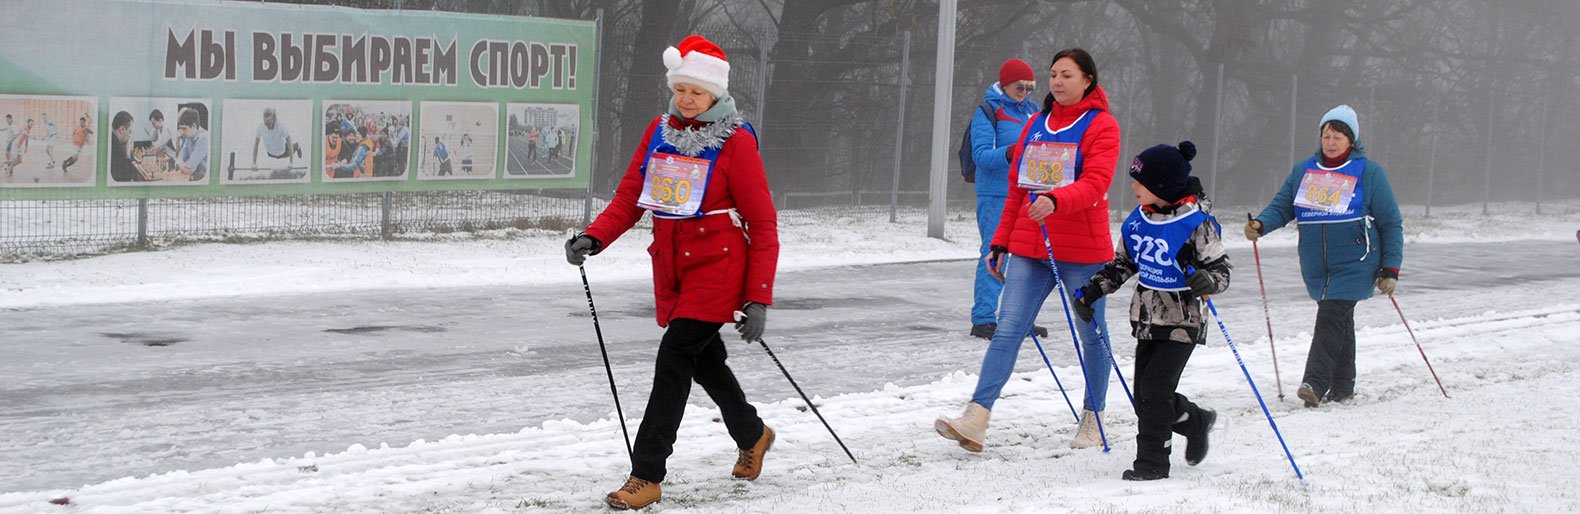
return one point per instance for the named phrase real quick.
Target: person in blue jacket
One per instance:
(1009, 101)
(1351, 240)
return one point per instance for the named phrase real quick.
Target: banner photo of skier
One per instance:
(459, 141)
(239, 62)
(266, 141)
(541, 139)
(48, 141)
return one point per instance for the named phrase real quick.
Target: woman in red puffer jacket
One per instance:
(1059, 175)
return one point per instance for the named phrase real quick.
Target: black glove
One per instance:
(751, 326)
(579, 247)
(996, 257)
(1084, 298)
(1201, 283)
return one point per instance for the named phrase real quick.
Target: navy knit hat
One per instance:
(1165, 170)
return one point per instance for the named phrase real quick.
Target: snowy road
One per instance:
(91, 393)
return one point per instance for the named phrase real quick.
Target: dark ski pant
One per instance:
(1160, 411)
(690, 350)
(1330, 366)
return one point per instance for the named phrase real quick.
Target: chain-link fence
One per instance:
(844, 120)
(823, 166)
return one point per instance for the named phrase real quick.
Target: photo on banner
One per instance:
(542, 142)
(266, 141)
(159, 141)
(366, 140)
(459, 140)
(49, 141)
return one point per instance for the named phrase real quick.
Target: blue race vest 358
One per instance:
(1051, 158)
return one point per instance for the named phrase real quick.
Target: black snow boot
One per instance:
(1196, 445)
(1133, 475)
(986, 330)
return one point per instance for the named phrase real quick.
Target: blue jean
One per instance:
(1027, 283)
(984, 296)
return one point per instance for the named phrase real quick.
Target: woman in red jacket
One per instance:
(715, 248)
(1059, 175)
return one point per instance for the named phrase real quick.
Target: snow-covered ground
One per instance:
(250, 353)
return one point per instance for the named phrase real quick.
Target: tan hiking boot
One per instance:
(635, 494)
(749, 463)
(1086, 434)
(970, 429)
(1308, 395)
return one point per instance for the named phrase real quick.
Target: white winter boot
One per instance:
(1086, 435)
(970, 429)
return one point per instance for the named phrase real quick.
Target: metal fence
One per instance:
(852, 173)
(861, 145)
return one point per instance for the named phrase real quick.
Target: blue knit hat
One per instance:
(1344, 114)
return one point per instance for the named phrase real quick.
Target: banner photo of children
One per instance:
(459, 140)
(542, 142)
(366, 140)
(266, 141)
(159, 141)
(48, 141)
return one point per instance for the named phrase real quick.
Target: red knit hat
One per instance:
(699, 61)
(1014, 70)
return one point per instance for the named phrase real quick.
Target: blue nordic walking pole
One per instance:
(1274, 424)
(1055, 377)
(1056, 381)
(1070, 321)
(1102, 337)
(1076, 339)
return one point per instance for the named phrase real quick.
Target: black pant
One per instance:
(1160, 411)
(1330, 366)
(691, 350)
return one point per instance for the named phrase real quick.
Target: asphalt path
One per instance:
(97, 392)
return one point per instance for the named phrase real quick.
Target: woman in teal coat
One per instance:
(1351, 240)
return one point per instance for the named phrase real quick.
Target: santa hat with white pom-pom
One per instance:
(700, 62)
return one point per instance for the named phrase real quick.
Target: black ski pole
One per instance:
(601, 349)
(740, 316)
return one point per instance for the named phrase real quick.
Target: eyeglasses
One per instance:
(1024, 88)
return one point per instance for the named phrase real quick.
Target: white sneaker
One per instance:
(1086, 435)
(970, 429)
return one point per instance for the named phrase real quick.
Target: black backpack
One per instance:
(968, 166)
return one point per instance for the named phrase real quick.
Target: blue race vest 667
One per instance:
(1330, 195)
(1051, 158)
(1155, 246)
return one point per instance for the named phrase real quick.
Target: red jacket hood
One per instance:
(1062, 115)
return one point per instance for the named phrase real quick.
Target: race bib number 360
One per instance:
(675, 184)
(1047, 165)
(1327, 191)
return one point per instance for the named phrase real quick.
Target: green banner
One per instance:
(121, 99)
